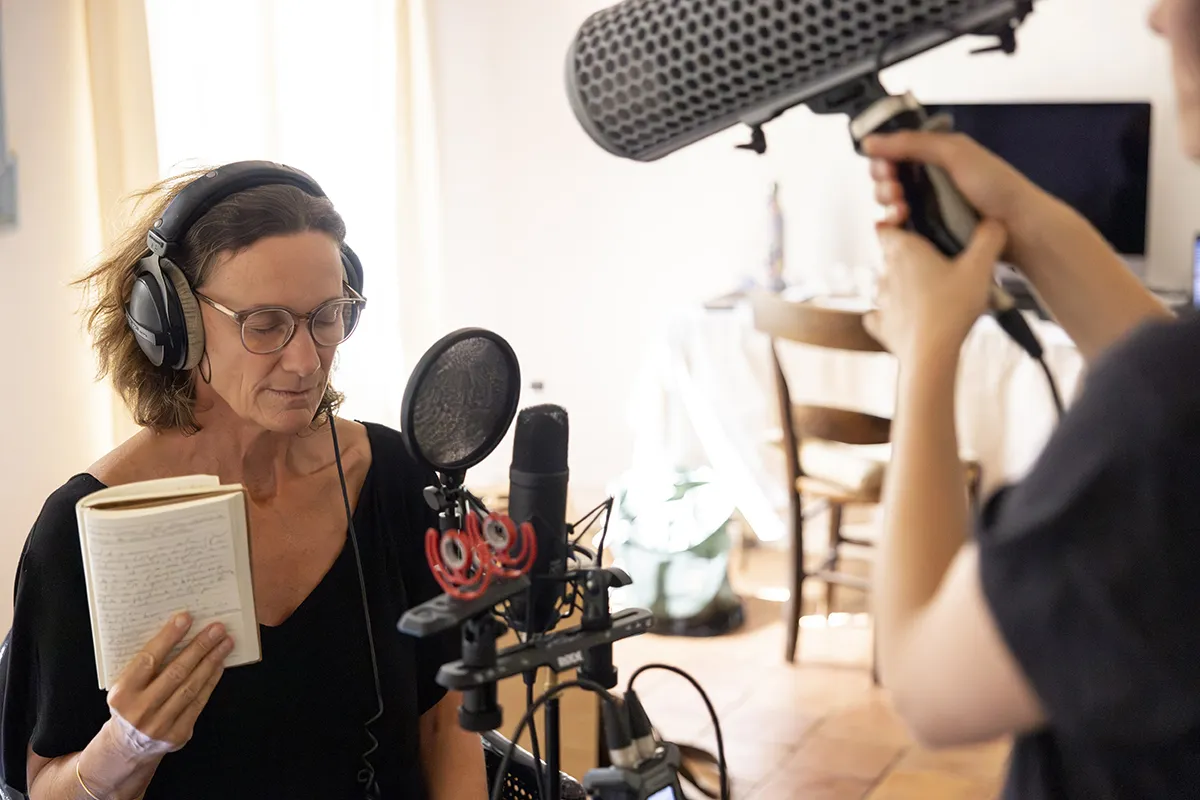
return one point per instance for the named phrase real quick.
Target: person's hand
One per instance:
(927, 303)
(990, 184)
(154, 706)
(163, 702)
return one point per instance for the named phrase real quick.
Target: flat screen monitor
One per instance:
(1093, 156)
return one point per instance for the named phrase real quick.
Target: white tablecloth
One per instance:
(705, 395)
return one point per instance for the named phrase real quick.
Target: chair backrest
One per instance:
(817, 326)
(520, 782)
(812, 324)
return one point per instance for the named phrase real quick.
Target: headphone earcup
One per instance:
(147, 317)
(188, 309)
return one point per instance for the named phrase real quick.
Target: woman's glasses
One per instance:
(269, 328)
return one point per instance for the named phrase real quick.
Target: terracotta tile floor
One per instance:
(815, 730)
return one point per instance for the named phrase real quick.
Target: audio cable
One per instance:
(366, 775)
(527, 717)
(639, 736)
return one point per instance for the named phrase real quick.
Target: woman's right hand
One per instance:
(993, 186)
(155, 706)
(163, 702)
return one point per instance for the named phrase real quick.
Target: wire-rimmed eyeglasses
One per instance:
(268, 329)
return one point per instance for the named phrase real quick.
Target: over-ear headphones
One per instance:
(162, 312)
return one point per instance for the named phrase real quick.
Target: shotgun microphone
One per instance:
(538, 495)
(646, 78)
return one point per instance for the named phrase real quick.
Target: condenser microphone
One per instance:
(646, 78)
(538, 494)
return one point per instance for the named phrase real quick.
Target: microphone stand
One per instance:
(553, 745)
(587, 646)
(597, 664)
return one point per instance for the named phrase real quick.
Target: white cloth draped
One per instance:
(705, 394)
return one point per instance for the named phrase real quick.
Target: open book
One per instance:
(155, 548)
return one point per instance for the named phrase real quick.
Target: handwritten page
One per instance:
(146, 564)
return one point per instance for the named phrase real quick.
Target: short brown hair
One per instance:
(159, 397)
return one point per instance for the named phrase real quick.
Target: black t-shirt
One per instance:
(292, 725)
(1091, 567)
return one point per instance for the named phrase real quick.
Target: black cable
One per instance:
(578, 548)
(539, 773)
(1058, 404)
(1012, 321)
(712, 712)
(366, 775)
(549, 694)
(604, 533)
(590, 518)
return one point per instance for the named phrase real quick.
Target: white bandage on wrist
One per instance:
(137, 744)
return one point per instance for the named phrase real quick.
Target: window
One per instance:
(313, 85)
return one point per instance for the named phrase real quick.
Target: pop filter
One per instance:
(460, 400)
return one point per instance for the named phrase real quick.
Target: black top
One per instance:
(289, 726)
(1091, 567)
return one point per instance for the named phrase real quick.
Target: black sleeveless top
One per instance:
(292, 725)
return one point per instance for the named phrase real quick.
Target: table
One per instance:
(704, 395)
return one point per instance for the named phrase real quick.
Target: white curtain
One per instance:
(122, 106)
(339, 91)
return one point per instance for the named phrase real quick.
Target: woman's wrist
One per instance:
(928, 360)
(932, 345)
(107, 771)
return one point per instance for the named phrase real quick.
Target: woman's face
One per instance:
(1178, 21)
(277, 391)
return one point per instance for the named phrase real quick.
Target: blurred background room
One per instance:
(441, 130)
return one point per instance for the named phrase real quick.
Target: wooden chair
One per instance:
(834, 455)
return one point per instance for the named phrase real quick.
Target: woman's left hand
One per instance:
(926, 302)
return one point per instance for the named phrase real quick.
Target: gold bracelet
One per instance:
(83, 785)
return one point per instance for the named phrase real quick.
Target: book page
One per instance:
(146, 564)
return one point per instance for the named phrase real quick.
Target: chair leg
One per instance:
(794, 603)
(874, 659)
(835, 541)
(797, 576)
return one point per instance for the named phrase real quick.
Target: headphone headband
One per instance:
(162, 312)
(204, 192)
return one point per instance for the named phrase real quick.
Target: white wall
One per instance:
(547, 238)
(56, 420)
